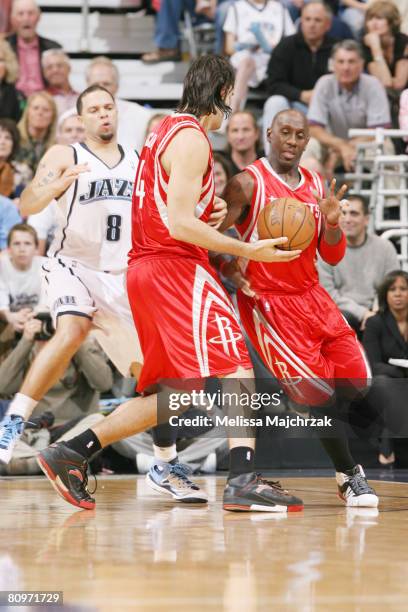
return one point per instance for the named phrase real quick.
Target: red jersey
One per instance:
(150, 228)
(298, 275)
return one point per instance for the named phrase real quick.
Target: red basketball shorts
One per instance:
(185, 320)
(306, 343)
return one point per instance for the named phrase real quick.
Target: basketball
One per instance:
(287, 217)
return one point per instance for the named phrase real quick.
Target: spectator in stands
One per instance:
(403, 112)
(9, 216)
(252, 29)
(353, 282)
(70, 128)
(297, 62)
(386, 50)
(28, 45)
(132, 117)
(56, 69)
(37, 128)
(9, 96)
(385, 47)
(20, 276)
(77, 392)
(153, 121)
(338, 29)
(243, 136)
(167, 31)
(9, 141)
(343, 100)
(5, 13)
(385, 338)
(222, 173)
(352, 12)
(14, 176)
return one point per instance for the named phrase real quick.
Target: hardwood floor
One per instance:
(138, 551)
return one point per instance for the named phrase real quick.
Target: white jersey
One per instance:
(272, 18)
(94, 214)
(20, 288)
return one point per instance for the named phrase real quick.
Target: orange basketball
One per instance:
(287, 217)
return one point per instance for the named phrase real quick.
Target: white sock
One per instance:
(165, 453)
(22, 405)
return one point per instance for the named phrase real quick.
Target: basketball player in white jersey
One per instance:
(84, 276)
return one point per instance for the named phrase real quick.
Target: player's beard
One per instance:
(107, 137)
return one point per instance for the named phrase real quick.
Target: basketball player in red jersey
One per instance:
(178, 304)
(291, 320)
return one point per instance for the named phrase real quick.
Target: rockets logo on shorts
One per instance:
(228, 337)
(214, 320)
(278, 367)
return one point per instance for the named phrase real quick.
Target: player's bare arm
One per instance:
(186, 162)
(238, 195)
(55, 173)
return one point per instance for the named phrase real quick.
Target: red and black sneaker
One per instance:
(251, 492)
(67, 471)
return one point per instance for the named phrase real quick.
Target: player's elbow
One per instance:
(24, 204)
(178, 229)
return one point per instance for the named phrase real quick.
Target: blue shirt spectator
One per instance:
(9, 216)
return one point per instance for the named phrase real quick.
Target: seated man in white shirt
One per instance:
(20, 277)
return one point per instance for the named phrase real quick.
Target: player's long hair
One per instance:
(206, 85)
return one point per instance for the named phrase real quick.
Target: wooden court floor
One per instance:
(138, 551)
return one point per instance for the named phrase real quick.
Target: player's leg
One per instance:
(172, 349)
(352, 373)
(72, 317)
(115, 331)
(246, 490)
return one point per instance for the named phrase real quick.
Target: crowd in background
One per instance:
(343, 63)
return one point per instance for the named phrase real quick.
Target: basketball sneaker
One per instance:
(173, 480)
(67, 471)
(251, 492)
(354, 489)
(11, 428)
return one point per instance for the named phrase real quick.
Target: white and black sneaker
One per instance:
(172, 480)
(354, 489)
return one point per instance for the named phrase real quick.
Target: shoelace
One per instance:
(274, 484)
(12, 428)
(84, 483)
(181, 470)
(358, 484)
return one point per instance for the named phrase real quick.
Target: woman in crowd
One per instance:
(222, 173)
(385, 339)
(37, 128)
(386, 49)
(14, 176)
(9, 96)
